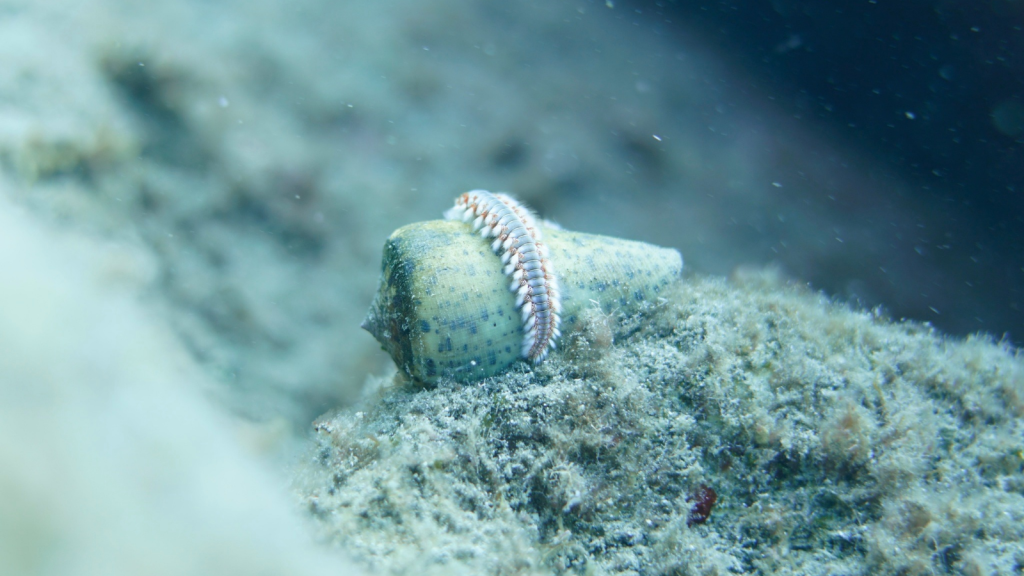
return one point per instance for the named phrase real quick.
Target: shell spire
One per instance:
(517, 240)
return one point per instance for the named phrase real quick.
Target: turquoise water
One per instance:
(197, 195)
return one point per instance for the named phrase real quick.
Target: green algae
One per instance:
(838, 442)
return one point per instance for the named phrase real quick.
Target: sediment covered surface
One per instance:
(835, 442)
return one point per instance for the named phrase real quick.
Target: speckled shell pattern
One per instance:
(443, 308)
(518, 243)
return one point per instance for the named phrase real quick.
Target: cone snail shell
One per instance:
(453, 303)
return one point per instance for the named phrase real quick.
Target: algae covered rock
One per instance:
(731, 428)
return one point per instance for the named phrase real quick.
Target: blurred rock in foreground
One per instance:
(112, 459)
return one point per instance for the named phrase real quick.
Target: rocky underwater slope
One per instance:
(193, 199)
(744, 427)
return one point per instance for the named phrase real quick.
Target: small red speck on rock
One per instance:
(703, 499)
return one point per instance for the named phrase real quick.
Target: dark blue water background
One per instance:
(933, 90)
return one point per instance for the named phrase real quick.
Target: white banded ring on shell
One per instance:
(443, 306)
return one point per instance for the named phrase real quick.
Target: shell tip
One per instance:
(370, 323)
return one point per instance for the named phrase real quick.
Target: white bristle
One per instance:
(529, 319)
